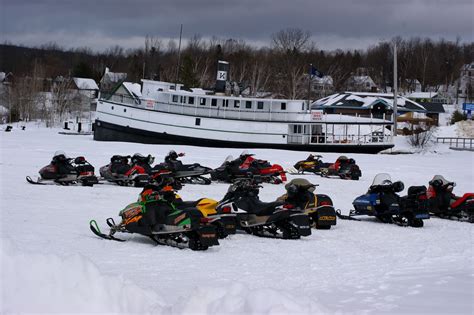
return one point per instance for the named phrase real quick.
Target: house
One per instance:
(466, 83)
(377, 105)
(88, 92)
(361, 83)
(431, 101)
(411, 85)
(110, 80)
(127, 92)
(322, 87)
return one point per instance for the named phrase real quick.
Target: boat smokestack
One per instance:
(222, 75)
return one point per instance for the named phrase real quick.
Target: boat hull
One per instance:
(106, 131)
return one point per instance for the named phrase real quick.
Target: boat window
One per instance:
(297, 129)
(248, 104)
(172, 87)
(191, 100)
(183, 99)
(259, 105)
(202, 101)
(226, 103)
(236, 103)
(213, 102)
(175, 98)
(198, 122)
(283, 106)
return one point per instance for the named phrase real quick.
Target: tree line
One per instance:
(280, 68)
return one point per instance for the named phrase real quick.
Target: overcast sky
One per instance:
(345, 24)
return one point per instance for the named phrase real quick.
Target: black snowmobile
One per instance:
(445, 204)
(344, 168)
(319, 207)
(267, 219)
(185, 173)
(124, 173)
(66, 171)
(155, 217)
(383, 202)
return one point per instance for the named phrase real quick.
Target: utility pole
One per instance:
(309, 85)
(179, 57)
(395, 90)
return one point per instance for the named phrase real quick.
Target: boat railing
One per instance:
(349, 139)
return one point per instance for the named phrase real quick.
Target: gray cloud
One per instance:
(346, 24)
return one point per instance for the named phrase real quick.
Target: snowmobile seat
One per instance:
(416, 190)
(264, 208)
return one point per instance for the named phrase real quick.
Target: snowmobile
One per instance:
(124, 173)
(319, 207)
(266, 219)
(445, 204)
(344, 168)
(185, 173)
(383, 202)
(66, 171)
(155, 217)
(232, 169)
(312, 164)
(223, 220)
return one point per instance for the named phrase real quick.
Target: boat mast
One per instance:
(395, 89)
(179, 58)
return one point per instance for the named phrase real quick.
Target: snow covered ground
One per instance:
(51, 262)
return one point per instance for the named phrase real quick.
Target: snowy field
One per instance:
(51, 262)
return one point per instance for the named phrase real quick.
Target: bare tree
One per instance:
(289, 46)
(64, 97)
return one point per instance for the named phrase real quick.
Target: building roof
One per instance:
(85, 84)
(134, 89)
(356, 100)
(421, 95)
(432, 108)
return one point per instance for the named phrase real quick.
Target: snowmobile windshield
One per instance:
(229, 159)
(443, 180)
(382, 179)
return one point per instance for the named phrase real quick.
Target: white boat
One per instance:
(163, 112)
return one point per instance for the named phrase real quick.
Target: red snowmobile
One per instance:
(445, 204)
(66, 171)
(245, 167)
(124, 173)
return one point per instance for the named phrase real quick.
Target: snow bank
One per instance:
(239, 299)
(45, 283)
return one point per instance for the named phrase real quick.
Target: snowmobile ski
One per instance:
(345, 217)
(96, 230)
(34, 182)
